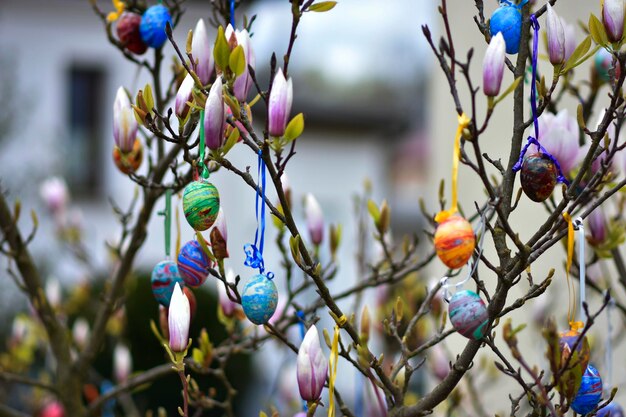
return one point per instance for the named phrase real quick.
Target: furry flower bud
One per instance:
(493, 65)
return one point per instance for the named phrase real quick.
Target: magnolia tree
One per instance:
(182, 126)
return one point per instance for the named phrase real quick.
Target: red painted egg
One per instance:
(131, 161)
(455, 241)
(538, 176)
(128, 33)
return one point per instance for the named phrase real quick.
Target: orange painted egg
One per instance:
(454, 241)
(131, 161)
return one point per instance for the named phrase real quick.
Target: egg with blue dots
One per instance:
(454, 241)
(259, 298)
(507, 19)
(165, 275)
(201, 204)
(613, 409)
(193, 263)
(589, 393)
(468, 314)
(152, 26)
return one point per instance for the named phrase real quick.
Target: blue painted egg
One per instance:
(507, 19)
(259, 298)
(589, 393)
(468, 314)
(603, 62)
(613, 409)
(152, 27)
(164, 278)
(193, 264)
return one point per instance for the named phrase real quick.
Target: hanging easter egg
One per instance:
(589, 393)
(613, 409)
(259, 299)
(128, 33)
(603, 63)
(164, 278)
(193, 264)
(201, 203)
(454, 241)
(538, 176)
(567, 341)
(128, 162)
(152, 27)
(468, 314)
(507, 19)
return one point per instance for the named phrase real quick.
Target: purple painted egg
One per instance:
(468, 314)
(193, 264)
(538, 176)
(589, 393)
(164, 278)
(567, 341)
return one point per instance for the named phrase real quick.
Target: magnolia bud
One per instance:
(493, 65)
(219, 236)
(312, 366)
(314, 219)
(597, 227)
(556, 37)
(54, 193)
(613, 19)
(201, 52)
(124, 122)
(228, 307)
(122, 363)
(215, 116)
(279, 106)
(80, 332)
(178, 320)
(183, 96)
(244, 81)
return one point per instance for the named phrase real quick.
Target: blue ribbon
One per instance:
(254, 252)
(510, 3)
(533, 104)
(232, 13)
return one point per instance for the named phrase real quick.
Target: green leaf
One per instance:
(231, 141)
(598, 33)
(204, 246)
(373, 209)
(509, 90)
(578, 56)
(322, 6)
(237, 61)
(294, 128)
(221, 51)
(147, 96)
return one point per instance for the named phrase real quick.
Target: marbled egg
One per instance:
(259, 299)
(193, 263)
(589, 393)
(468, 314)
(201, 203)
(507, 20)
(454, 241)
(613, 409)
(164, 278)
(538, 176)
(152, 27)
(567, 341)
(131, 161)
(128, 33)
(603, 62)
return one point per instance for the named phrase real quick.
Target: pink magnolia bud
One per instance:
(570, 38)
(179, 317)
(219, 236)
(556, 37)
(80, 332)
(314, 219)
(53, 292)
(243, 83)
(215, 116)
(597, 227)
(53, 409)
(228, 307)
(54, 193)
(183, 96)
(300, 414)
(279, 106)
(312, 366)
(493, 65)
(439, 362)
(122, 363)
(559, 135)
(201, 52)
(613, 19)
(124, 123)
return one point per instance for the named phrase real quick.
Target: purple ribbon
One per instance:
(533, 104)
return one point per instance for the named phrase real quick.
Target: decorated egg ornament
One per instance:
(259, 299)
(164, 278)
(613, 409)
(507, 19)
(129, 162)
(201, 203)
(589, 393)
(468, 314)
(152, 27)
(538, 176)
(567, 341)
(454, 241)
(193, 264)
(128, 33)
(603, 62)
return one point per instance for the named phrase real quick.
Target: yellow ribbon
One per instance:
(571, 307)
(464, 122)
(119, 7)
(177, 231)
(334, 356)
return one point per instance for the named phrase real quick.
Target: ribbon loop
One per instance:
(532, 141)
(254, 252)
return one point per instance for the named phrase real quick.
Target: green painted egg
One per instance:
(201, 203)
